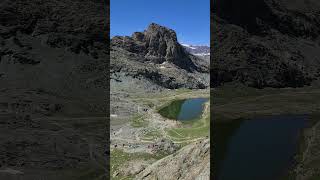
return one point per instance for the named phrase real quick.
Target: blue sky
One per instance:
(189, 18)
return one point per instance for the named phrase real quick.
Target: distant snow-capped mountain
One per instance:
(202, 51)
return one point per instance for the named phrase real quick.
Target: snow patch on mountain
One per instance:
(188, 46)
(198, 50)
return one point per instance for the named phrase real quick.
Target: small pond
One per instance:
(257, 149)
(186, 109)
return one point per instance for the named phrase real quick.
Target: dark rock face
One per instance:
(154, 47)
(162, 45)
(265, 43)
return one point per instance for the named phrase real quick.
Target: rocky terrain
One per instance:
(192, 162)
(265, 43)
(150, 62)
(53, 69)
(142, 138)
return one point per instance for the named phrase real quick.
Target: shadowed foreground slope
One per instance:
(53, 62)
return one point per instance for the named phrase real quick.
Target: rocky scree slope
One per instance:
(156, 56)
(190, 162)
(265, 43)
(53, 62)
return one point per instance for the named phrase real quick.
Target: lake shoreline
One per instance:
(236, 102)
(188, 109)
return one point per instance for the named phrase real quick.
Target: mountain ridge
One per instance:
(200, 50)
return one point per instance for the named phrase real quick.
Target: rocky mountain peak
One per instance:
(156, 44)
(162, 44)
(160, 31)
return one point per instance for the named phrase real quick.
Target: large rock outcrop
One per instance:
(156, 56)
(157, 44)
